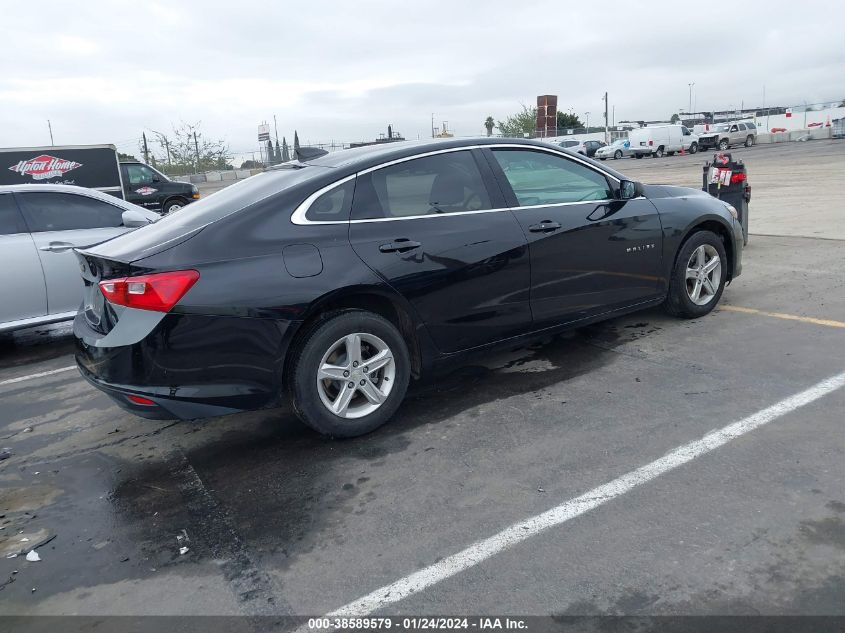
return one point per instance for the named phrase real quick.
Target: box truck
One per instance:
(96, 167)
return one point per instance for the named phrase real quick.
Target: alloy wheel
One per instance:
(356, 375)
(704, 274)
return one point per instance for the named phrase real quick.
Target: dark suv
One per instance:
(152, 190)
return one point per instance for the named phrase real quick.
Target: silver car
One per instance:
(40, 225)
(617, 149)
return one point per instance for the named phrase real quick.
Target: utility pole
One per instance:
(606, 121)
(146, 151)
(588, 122)
(50, 127)
(432, 125)
(276, 127)
(197, 150)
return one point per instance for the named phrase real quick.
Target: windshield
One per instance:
(721, 127)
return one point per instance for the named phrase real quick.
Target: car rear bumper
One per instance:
(189, 366)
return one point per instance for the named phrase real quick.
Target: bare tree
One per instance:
(190, 151)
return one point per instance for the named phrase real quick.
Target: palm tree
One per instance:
(489, 123)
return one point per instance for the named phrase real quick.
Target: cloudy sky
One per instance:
(104, 70)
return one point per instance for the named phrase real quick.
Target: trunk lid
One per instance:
(98, 313)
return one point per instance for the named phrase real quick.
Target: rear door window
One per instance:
(54, 211)
(11, 221)
(444, 183)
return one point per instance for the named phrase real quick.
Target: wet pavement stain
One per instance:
(827, 531)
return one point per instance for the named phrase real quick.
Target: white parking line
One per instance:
(523, 530)
(11, 381)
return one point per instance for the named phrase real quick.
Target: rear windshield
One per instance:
(170, 229)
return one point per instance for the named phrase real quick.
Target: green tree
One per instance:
(519, 124)
(489, 124)
(675, 118)
(285, 151)
(566, 121)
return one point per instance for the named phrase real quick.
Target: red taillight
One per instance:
(144, 402)
(650, 142)
(158, 292)
(737, 178)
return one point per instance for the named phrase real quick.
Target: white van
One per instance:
(657, 140)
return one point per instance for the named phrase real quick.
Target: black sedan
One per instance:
(334, 280)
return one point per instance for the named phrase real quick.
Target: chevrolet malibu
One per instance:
(335, 279)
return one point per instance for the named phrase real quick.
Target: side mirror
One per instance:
(156, 179)
(628, 189)
(133, 219)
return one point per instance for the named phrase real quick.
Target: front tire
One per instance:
(350, 374)
(693, 148)
(724, 144)
(617, 154)
(174, 204)
(698, 277)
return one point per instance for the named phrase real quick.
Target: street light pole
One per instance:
(690, 96)
(588, 122)
(606, 121)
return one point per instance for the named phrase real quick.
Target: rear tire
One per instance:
(690, 296)
(330, 346)
(658, 153)
(749, 141)
(617, 154)
(639, 155)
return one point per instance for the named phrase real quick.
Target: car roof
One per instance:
(362, 157)
(71, 189)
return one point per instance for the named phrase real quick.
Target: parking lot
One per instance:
(281, 521)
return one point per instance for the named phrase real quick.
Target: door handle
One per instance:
(546, 226)
(399, 245)
(57, 247)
